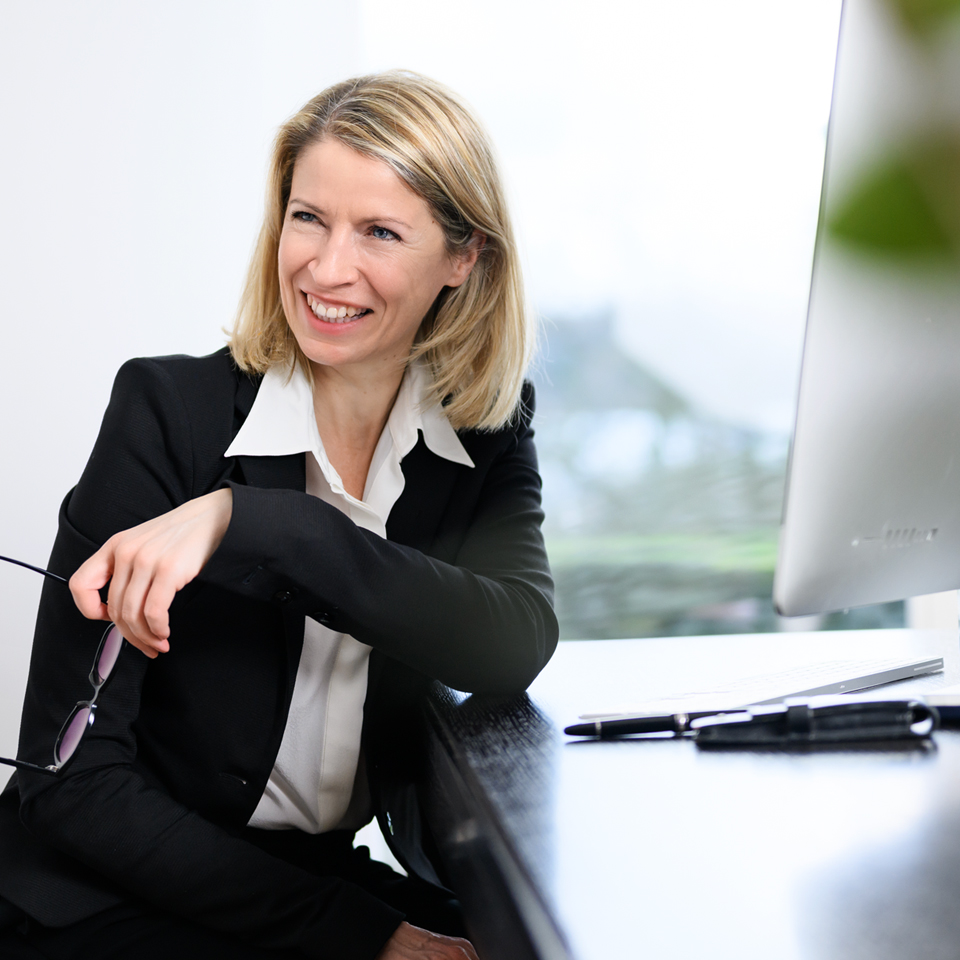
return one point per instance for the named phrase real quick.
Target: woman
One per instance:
(301, 534)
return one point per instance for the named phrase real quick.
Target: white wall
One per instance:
(135, 139)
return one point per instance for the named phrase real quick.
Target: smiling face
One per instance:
(361, 261)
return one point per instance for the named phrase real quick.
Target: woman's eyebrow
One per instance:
(304, 203)
(367, 220)
(394, 220)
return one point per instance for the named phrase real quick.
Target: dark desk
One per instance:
(602, 851)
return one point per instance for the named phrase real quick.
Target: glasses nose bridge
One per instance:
(97, 682)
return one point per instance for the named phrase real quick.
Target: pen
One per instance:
(622, 726)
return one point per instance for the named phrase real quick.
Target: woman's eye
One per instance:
(382, 233)
(304, 216)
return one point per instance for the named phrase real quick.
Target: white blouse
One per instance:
(318, 782)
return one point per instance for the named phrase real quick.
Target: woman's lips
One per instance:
(334, 314)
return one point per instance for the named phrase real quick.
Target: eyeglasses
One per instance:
(82, 715)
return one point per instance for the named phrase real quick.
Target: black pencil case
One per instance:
(822, 720)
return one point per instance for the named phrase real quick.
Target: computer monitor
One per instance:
(872, 504)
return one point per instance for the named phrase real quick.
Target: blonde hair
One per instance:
(477, 338)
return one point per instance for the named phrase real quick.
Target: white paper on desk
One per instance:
(696, 701)
(668, 708)
(943, 697)
(804, 680)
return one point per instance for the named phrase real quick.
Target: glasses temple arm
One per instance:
(30, 566)
(23, 765)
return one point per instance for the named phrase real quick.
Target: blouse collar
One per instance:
(282, 420)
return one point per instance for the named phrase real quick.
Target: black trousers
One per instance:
(138, 930)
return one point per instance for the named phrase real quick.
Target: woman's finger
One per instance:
(467, 947)
(110, 564)
(415, 943)
(87, 581)
(156, 604)
(117, 590)
(130, 602)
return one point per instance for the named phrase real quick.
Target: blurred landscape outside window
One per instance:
(664, 164)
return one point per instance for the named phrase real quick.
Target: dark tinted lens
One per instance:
(72, 734)
(109, 651)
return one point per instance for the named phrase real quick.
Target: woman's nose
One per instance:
(335, 262)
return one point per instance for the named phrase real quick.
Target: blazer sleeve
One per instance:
(107, 810)
(482, 623)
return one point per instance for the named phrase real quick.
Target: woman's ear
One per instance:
(465, 261)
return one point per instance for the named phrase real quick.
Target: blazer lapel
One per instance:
(428, 483)
(278, 473)
(283, 473)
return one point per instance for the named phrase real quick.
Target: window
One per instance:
(664, 162)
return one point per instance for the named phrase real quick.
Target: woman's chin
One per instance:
(339, 355)
(327, 343)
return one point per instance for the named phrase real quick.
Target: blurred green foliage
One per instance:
(750, 550)
(906, 206)
(925, 17)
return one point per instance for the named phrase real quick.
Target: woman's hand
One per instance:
(413, 943)
(146, 566)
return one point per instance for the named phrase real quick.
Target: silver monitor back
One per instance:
(872, 505)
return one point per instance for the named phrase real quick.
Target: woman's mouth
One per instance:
(331, 314)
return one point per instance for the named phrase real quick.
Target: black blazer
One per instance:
(154, 804)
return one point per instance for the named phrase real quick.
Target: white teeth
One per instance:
(335, 314)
